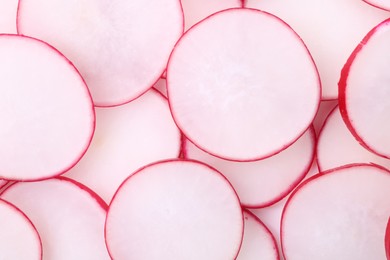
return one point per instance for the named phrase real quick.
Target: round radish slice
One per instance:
(8, 11)
(19, 239)
(126, 138)
(248, 98)
(68, 216)
(174, 210)
(262, 183)
(337, 147)
(382, 4)
(121, 47)
(47, 114)
(340, 214)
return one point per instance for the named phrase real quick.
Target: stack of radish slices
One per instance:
(195, 129)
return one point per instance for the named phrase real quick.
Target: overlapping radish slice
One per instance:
(326, 107)
(364, 91)
(120, 47)
(382, 4)
(46, 110)
(19, 239)
(331, 29)
(174, 210)
(126, 138)
(242, 85)
(161, 86)
(68, 216)
(339, 214)
(8, 10)
(262, 183)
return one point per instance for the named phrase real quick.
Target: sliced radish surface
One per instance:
(8, 10)
(331, 29)
(120, 47)
(262, 183)
(46, 111)
(382, 4)
(340, 214)
(126, 138)
(69, 217)
(364, 91)
(161, 86)
(337, 147)
(324, 110)
(19, 239)
(247, 98)
(175, 210)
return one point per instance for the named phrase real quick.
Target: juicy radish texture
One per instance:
(339, 214)
(46, 111)
(331, 29)
(19, 239)
(364, 90)
(383, 4)
(175, 210)
(121, 47)
(247, 98)
(336, 146)
(324, 110)
(8, 9)
(126, 138)
(69, 217)
(262, 183)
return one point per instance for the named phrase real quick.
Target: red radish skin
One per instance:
(8, 9)
(382, 4)
(326, 107)
(387, 240)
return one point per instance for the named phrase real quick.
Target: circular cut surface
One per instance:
(383, 4)
(340, 214)
(174, 210)
(121, 47)
(8, 16)
(249, 97)
(47, 117)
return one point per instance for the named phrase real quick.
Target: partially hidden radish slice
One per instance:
(19, 239)
(174, 210)
(339, 214)
(364, 91)
(127, 137)
(248, 98)
(120, 47)
(326, 107)
(47, 113)
(382, 4)
(68, 216)
(8, 9)
(264, 182)
(161, 86)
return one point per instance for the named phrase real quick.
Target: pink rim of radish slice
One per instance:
(265, 182)
(68, 216)
(336, 146)
(258, 242)
(364, 96)
(387, 240)
(330, 29)
(382, 4)
(174, 210)
(248, 98)
(8, 11)
(19, 238)
(127, 137)
(47, 113)
(120, 47)
(339, 214)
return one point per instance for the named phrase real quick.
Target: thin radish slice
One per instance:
(337, 146)
(265, 182)
(121, 47)
(68, 216)
(127, 137)
(174, 210)
(19, 239)
(339, 214)
(387, 240)
(382, 4)
(331, 29)
(161, 86)
(46, 110)
(3, 183)
(326, 107)
(258, 242)
(248, 98)
(364, 96)
(8, 9)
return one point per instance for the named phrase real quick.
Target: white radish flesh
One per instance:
(382, 4)
(8, 10)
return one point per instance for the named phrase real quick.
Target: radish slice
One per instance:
(161, 86)
(387, 240)
(339, 214)
(258, 242)
(127, 138)
(248, 98)
(121, 47)
(331, 29)
(265, 182)
(19, 239)
(8, 9)
(174, 210)
(46, 111)
(336, 146)
(3, 183)
(364, 96)
(69, 217)
(382, 4)
(324, 110)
